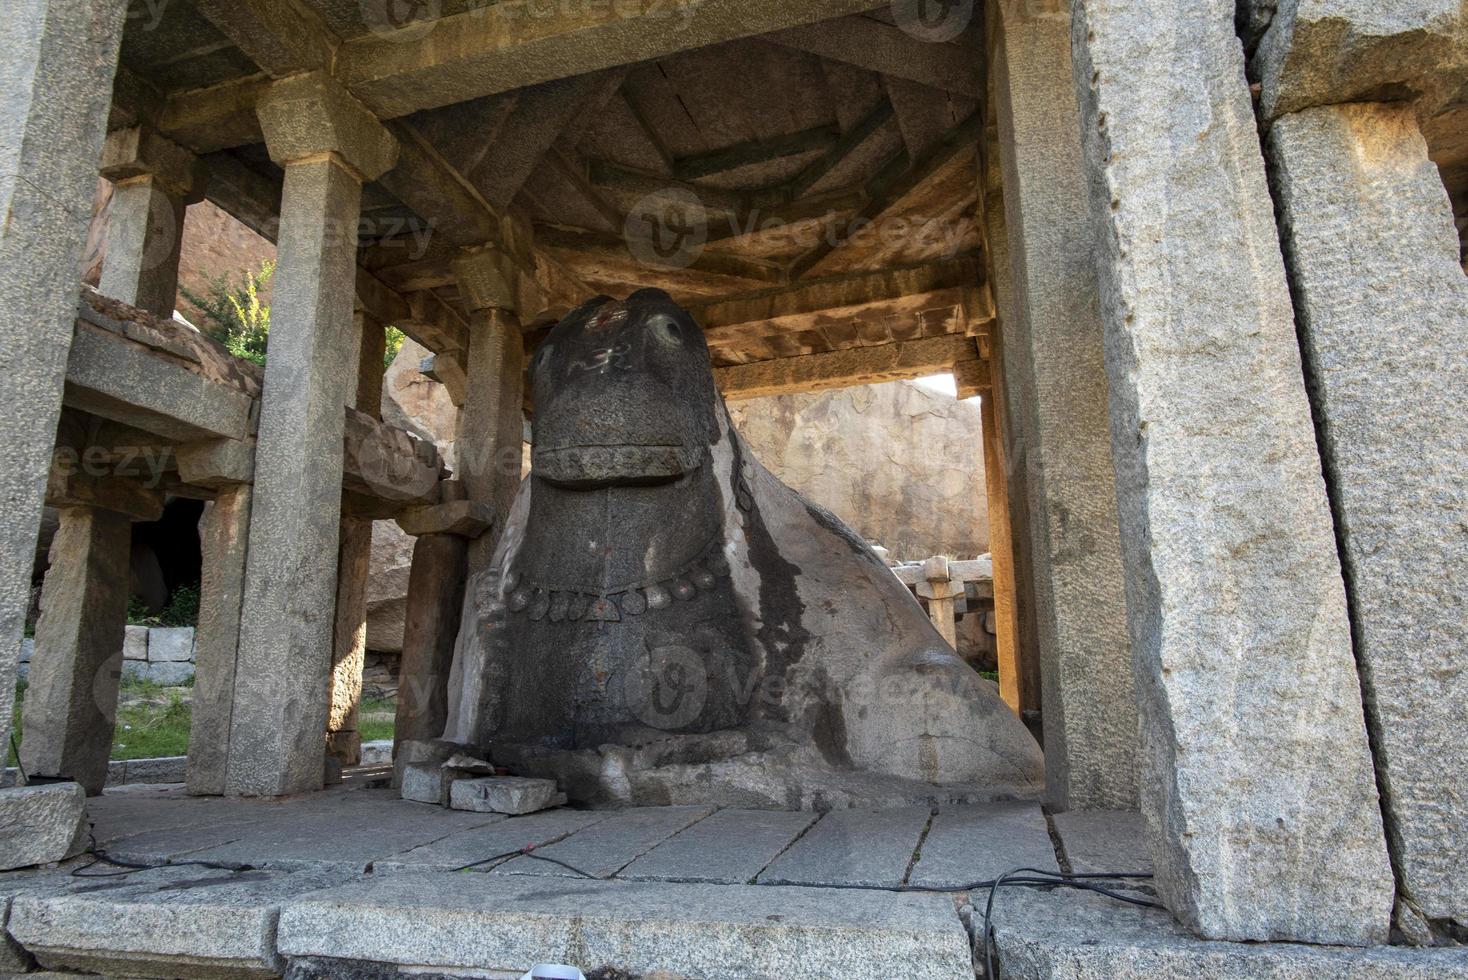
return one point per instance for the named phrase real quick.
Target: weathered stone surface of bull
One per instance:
(664, 621)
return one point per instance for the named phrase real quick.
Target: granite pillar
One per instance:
(491, 424)
(1257, 782)
(430, 628)
(1382, 307)
(328, 144)
(56, 69)
(71, 703)
(154, 180)
(354, 565)
(224, 536)
(1085, 655)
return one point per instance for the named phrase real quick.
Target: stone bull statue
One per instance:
(664, 621)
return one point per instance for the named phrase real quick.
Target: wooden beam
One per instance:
(615, 254)
(891, 184)
(817, 295)
(215, 118)
(844, 368)
(841, 149)
(504, 46)
(753, 152)
(888, 50)
(283, 37)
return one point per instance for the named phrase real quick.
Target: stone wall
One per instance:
(899, 462)
(160, 654)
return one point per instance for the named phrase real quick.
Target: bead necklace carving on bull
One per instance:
(664, 621)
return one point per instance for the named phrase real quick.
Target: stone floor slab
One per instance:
(852, 847)
(971, 844)
(346, 837)
(730, 847)
(717, 932)
(1100, 841)
(507, 834)
(1070, 935)
(179, 922)
(610, 845)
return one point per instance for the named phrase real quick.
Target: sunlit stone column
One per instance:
(1257, 781)
(329, 144)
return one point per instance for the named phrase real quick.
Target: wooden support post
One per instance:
(1001, 551)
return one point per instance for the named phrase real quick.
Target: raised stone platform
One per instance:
(356, 883)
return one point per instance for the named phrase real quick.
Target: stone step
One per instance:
(1083, 936)
(490, 923)
(165, 922)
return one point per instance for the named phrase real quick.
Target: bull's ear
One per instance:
(584, 312)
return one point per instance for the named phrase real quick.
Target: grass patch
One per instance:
(375, 719)
(990, 675)
(182, 609)
(154, 721)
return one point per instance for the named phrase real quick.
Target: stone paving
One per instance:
(354, 882)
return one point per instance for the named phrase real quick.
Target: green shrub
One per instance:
(236, 316)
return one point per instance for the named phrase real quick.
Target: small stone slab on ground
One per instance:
(971, 844)
(607, 847)
(514, 795)
(852, 847)
(377, 752)
(505, 835)
(717, 932)
(730, 847)
(40, 824)
(183, 921)
(1103, 841)
(428, 782)
(1081, 936)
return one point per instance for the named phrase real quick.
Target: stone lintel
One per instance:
(487, 277)
(1321, 52)
(309, 115)
(217, 462)
(69, 487)
(465, 518)
(140, 152)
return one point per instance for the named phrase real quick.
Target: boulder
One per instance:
(898, 462)
(41, 824)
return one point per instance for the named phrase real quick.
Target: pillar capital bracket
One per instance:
(138, 151)
(464, 518)
(310, 115)
(487, 278)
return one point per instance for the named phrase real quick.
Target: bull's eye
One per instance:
(665, 330)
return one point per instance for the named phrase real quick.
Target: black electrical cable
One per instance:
(1053, 879)
(15, 747)
(132, 867)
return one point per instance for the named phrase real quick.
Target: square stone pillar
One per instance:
(354, 566)
(71, 702)
(492, 424)
(56, 69)
(224, 535)
(328, 144)
(1382, 306)
(1089, 705)
(434, 608)
(154, 181)
(1257, 781)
